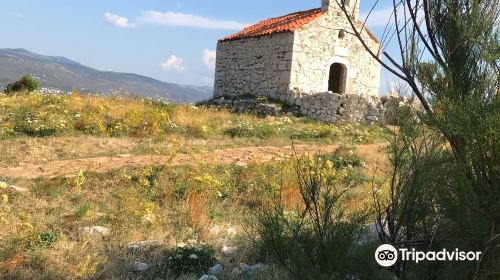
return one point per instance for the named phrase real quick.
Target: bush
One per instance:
(41, 115)
(316, 239)
(248, 129)
(321, 132)
(25, 84)
(189, 260)
(429, 203)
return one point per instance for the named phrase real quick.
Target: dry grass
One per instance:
(168, 204)
(42, 231)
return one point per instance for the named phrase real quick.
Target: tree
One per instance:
(449, 54)
(25, 84)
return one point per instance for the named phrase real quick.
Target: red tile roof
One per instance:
(287, 23)
(363, 27)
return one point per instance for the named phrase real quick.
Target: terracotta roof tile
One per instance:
(271, 26)
(363, 27)
(288, 23)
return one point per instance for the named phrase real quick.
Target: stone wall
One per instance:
(332, 107)
(283, 64)
(255, 66)
(329, 107)
(325, 41)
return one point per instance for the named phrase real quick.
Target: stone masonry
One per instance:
(291, 57)
(329, 107)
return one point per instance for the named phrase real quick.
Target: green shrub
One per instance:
(312, 133)
(82, 210)
(316, 240)
(428, 197)
(45, 239)
(189, 260)
(25, 84)
(248, 129)
(344, 157)
(41, 122)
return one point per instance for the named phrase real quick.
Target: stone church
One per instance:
(300, 54)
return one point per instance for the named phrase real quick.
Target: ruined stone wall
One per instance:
(330, 107)
(323, 42)
(256, 66)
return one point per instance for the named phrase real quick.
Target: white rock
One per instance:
(229, 251)
(231, 231)
(140, 266)
(258, 267)
(370, 232)
(215, 230)
(245, 269)
(147, 218)
(141, 244)
(208, 277)
(97, 230)
(216, 271)
(4, 185)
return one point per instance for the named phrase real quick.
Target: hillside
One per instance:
(97, 188)
(67, 75)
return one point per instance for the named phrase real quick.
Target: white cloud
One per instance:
(209, 58)
(173, 63)
(118, 21)
(378, 18)
(187, 20)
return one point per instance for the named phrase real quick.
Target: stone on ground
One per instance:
(208, 277)
(140, 266)
(97, 230)
(216, 271)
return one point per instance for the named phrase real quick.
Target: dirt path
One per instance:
(239, 156)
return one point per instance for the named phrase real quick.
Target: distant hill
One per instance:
(67, 75)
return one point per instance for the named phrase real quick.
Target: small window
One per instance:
(341, 34)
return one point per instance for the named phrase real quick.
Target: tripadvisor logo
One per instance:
(387, 255)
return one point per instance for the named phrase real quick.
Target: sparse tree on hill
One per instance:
(25, 84)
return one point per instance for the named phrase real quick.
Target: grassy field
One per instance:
(172, 212)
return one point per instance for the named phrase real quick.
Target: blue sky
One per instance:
(173, 41)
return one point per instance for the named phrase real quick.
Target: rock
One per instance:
(140, 266)
(229, 251)
(231, 231)
(147, 219)
(96, 230)
(4, 185)
(258, 268)
(141, 244)
(216, 271)
(247, 271)
(370, 233)
(215, 230)
(208, 277)
(235, 274)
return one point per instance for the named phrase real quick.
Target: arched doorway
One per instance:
(337, 78)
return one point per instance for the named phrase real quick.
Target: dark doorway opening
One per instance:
(336, 81)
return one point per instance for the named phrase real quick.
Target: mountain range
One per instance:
(62, 74)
